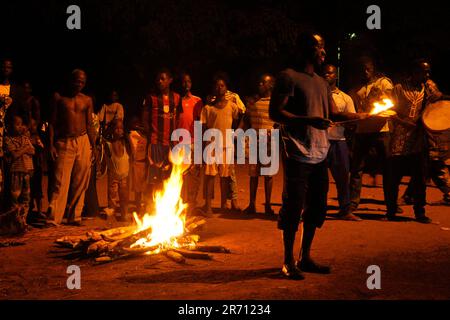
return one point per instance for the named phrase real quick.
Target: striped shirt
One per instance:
(163, 115)
(23, 163)
(258, 115)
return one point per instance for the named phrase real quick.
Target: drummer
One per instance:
(438, 144)
(408, 152)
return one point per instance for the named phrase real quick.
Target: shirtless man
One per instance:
(71, 142)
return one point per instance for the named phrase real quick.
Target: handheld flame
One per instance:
(381, 107)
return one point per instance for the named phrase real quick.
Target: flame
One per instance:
(381, 107)
(167, 222)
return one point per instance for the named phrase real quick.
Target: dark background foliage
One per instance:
(123, 43)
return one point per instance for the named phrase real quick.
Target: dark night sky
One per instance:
(122, 43)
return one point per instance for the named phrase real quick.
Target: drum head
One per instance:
(436, 116)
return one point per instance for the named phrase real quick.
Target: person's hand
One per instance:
(435, 96)
(53, 153)
(320, 123)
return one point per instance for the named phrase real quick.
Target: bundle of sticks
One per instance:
(113, 244)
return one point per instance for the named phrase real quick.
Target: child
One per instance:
(20, 151)
(36, 179)
(192, 107)
(219, 115)
(118, 152)
(138, 142)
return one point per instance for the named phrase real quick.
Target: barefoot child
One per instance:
(138, 142)
(219, 115)
(20, 151)
(118, 158)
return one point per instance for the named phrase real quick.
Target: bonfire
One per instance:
(164, 231)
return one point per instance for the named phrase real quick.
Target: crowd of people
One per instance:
(322, 128)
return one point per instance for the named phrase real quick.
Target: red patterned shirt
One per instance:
(163, 114)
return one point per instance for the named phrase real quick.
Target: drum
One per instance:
(436, 116)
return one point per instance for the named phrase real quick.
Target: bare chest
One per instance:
(74, 105)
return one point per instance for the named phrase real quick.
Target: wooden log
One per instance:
(98, 247)
(195, 225)
(175, 256)
(128, 241)
(4, 244)
(103, 259)
(136, 251)
(211, 249)
(71, 242)
(94, 236)
(193, 255)
(191, 239)
(192, 220)
(118, 231)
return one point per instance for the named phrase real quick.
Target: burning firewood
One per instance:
(193, 255)
(175, 256)
(98, 247)
(195, 225)
(140, 250)
(118, 231)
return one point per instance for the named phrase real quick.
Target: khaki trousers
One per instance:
(71, 174)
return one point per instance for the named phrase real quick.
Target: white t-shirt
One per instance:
(113, 111)
(344, 104)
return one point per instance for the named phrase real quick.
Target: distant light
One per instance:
(352, 36)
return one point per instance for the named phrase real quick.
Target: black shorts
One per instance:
(304, 196)
(161, 167)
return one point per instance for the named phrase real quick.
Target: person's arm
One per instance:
(146, 107)
(52, 125)
(198, 110)
(36, 112)
(245, 122)
(121, 112)
(240, 104)
(29, 147)
(433, 92)
(277, 109)
(17, 152)
(90, 128)
(178, 112)
(128, 146)
(89, 122)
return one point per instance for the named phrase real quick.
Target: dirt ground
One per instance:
(414, 259)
